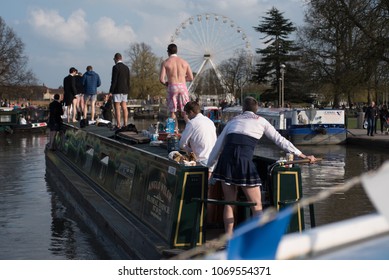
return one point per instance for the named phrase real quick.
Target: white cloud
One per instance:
(113, 36)
(70, 33)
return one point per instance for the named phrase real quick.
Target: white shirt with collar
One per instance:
(252, 125)
(199, 137)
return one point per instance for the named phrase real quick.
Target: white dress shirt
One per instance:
(250, 124)
(199, 137)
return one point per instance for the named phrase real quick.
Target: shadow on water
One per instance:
(70, 237)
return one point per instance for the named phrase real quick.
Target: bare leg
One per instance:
(117, 111)
(85, 110)
(253, 194)
(68, 112)
(74, 109)
(93, 105)
(82, 105)
(125, 113)
(230, 194)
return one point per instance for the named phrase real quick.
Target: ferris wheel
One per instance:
(206, 40)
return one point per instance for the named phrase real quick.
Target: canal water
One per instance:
(35, 222)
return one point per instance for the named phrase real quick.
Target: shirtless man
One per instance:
(178, 72)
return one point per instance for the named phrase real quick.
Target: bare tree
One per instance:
(237, 72)
(144, 65)
(208, 84)
(13, 62)
(343, 43)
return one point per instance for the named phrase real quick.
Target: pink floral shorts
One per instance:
(177, 97)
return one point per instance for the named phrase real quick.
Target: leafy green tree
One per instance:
(279, 50)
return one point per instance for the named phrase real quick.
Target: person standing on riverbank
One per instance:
(91, 81)
(384, 115)
(120, 88)
(70, 92)
(177, 71)
(370, 116)
(55, 120)
(231, 158)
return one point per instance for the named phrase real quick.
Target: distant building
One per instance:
(47, 95)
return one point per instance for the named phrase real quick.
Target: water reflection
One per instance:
(34, 222)
(339, 163)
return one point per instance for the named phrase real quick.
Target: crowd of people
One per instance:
(80, 94)
(372, 114)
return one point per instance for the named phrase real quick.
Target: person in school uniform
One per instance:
(231, 158)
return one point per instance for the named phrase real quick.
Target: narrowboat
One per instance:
(302, 126)
(148, 205)
(23, 120)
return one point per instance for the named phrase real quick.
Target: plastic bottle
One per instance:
(170, 125)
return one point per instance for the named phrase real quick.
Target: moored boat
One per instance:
(23, 120)
(302, 126)
(150, 205)
(212, 112)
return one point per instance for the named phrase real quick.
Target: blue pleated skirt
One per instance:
(235, 165)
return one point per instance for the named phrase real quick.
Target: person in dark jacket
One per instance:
(120, 87)
(91, 81)
(55, 119)
(370, 116)
(70, 92)
(106, 108)
(384, 115)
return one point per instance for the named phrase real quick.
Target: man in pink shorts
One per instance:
(177, 71)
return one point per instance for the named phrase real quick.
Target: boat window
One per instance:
(104, 166)
(89, 159)
(5, 118)
(105, 160)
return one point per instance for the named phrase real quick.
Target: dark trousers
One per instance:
(370, 126)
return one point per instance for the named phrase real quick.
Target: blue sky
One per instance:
(60, 34)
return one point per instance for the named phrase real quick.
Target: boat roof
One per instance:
(238, 109)
(210, 108)
(6, 109)
(261, 110)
